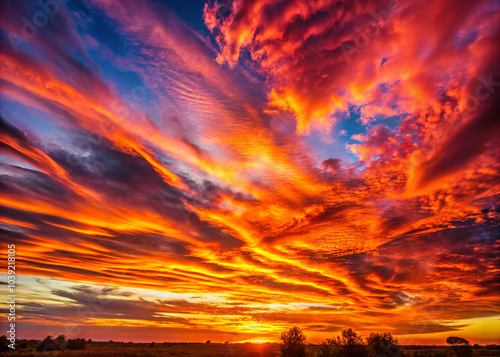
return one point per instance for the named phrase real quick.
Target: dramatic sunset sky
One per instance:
(188, 170)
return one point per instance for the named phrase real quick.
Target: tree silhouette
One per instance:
(293, 342)
(460, 345)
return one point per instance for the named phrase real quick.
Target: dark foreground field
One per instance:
(106, 349)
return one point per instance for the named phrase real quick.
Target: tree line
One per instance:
(293, 344)
(350, 344)
(50, 343)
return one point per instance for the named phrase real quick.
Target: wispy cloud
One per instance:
(143, 158)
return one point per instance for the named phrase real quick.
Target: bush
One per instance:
(293, 342)
(440, 354)
(61, 343)
(22, 344)
(352, 344)
(348, 344)
(76, 344)
(330, 348)
(383, 343)
(48, 344)
(4, 344)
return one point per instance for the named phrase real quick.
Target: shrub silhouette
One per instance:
(4, 344)
(22, 344)
(48, 344)
(61, 343)
(348, 344)
(293, 342)
(352, 344)
(76, 344)
(330, 348)
(440, 354)
(460, 345)
(383, 343)
(208, 341)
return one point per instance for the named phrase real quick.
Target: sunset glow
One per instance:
(192, 171)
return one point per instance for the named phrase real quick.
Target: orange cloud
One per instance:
(204, 214)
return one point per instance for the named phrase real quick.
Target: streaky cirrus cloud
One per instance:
(330, 164)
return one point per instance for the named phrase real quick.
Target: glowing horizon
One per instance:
(225, 170)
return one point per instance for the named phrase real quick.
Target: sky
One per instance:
(185, 171)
